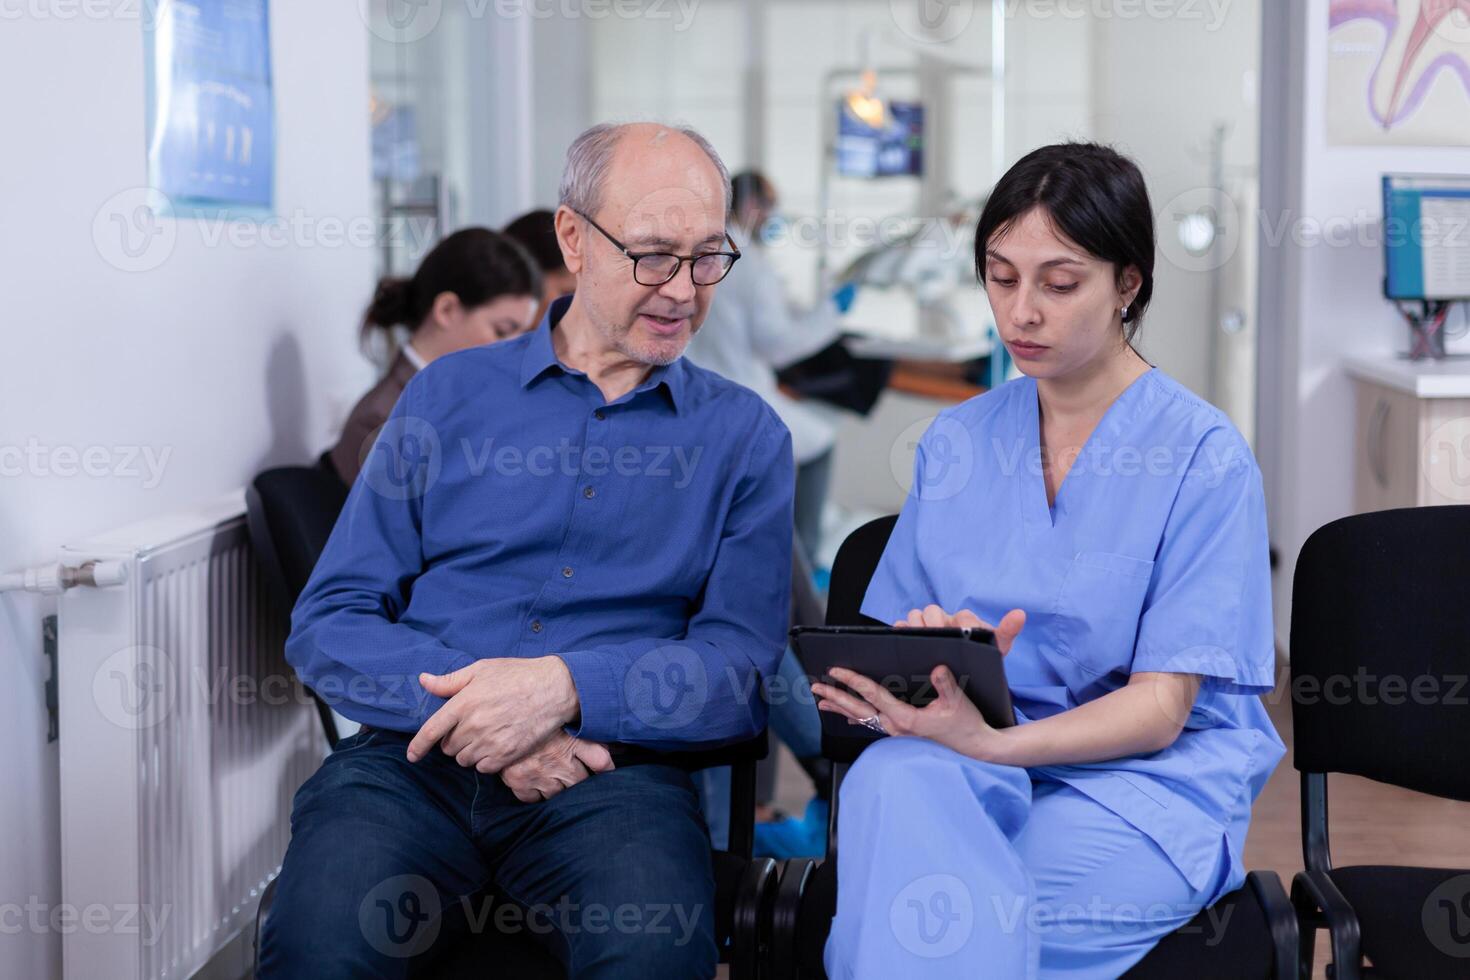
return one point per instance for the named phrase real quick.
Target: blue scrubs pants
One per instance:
(952, 867)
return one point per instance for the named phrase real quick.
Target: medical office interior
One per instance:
(200, 198)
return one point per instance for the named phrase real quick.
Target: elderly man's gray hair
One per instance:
(590, 156)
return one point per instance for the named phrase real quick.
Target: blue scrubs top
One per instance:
(1153, 558)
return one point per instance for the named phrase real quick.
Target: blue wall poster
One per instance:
(211, 117)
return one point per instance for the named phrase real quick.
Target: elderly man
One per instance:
(560, 545)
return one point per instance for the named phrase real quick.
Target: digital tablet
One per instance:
(901, 660)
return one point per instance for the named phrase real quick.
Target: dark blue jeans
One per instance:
(614, 874)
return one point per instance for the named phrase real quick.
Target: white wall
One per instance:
(1160, 86)
(226, 357)
(1320, 301)
(561, 101)
(672, 66)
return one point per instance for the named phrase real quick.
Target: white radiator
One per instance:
(184, 736)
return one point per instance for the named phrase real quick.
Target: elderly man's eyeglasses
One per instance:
(657, 268)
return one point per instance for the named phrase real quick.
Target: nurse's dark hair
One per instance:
(1094, 196)
(476, 264)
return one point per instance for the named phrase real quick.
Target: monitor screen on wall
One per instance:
(1426, 237)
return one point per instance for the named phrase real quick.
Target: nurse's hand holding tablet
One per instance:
(950, 719)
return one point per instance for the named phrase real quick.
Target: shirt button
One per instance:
(535, 626)
(566, 572)
(599, 415)
(588, 492)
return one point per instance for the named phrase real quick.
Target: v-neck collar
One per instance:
(1035, 510)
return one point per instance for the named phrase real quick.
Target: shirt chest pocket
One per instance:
(1098, 608)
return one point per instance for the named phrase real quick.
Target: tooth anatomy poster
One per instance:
(1398, 72)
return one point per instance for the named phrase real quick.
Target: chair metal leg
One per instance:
(749, 938)
(742, 809)
(1280, 918)
(1309, 920)
(1318, 902)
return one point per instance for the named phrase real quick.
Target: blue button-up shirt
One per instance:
(507, 510)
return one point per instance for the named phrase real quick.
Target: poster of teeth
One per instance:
(211, 119)
(1398, 72)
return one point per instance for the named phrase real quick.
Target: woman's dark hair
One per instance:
(475, 264)
(535, 231)
(1094, 196)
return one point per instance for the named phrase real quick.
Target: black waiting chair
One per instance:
(1259, 942)
(290, 512)
(1380, 649)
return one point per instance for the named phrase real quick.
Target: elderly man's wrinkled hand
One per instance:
(562, 761)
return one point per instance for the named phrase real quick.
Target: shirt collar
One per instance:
(414, 357)
(540, 357)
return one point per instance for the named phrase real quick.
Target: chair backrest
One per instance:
(1380, 649)
(291, 511)
(853, 569)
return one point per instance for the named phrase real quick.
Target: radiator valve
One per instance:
(54, 579)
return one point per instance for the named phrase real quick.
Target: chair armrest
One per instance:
(1313, 892)
(741, 757)
(750, 751)
(1280, 919)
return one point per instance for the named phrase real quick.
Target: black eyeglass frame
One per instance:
(636, 257)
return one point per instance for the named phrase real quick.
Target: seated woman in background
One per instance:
(475, 287)
(535, 231)
(1113, 524)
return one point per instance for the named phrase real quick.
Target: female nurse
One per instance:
(1112, 525)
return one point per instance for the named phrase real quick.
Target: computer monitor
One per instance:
(1426, 237)
(893, 148)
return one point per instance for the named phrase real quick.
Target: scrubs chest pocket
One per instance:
(1098, 609)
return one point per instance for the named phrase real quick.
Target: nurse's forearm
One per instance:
(1143, 716)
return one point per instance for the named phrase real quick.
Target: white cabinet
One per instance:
(1412, 442)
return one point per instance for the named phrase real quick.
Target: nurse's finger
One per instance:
(916, 617)
(965, 618)
(847, 701)
(951, 696)
(837, 709)
(854, 707)
(935, 617)
(875, 694)
(1010, 626)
